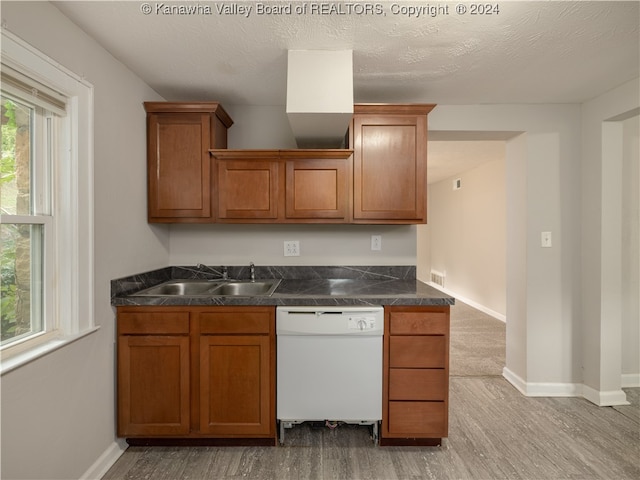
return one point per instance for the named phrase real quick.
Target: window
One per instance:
(46, 205)
(27, 224)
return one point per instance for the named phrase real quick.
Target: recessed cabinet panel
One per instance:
(234, 396)
(317, 188)
(153, 385)
(149, 323)
(415, 323)
(389, 169)
(417, 384)
(232, 321)
(179, 175)
(426, 351)
(424, 419)
(247, 189)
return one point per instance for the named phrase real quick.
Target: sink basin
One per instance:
(247, 288)
(187, 288)
(204, 288)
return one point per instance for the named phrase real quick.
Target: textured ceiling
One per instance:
(527, 52)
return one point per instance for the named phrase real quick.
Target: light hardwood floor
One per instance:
(494, 433)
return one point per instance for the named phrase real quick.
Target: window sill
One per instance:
(30, 355)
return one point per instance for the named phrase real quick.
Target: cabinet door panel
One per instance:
(413, 323)
(389, 168)
(149, 323)
(424, 419)
(427, 351)
(317, 189)
(153, 385)
(418, 384)
(250, 320)
(179, 172)
(234, 385)
(247, 189)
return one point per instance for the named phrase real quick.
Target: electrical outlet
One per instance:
(291, 248)
(376, 242)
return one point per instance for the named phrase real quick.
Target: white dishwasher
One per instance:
(329, 365)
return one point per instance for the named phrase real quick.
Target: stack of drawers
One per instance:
(416, 373)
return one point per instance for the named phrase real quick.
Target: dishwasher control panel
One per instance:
(361, 322)
(325, 320)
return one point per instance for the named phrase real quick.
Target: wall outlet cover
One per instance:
(291, 248)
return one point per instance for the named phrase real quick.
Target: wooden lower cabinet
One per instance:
(415, 375)
(153, 380)
(196, 372)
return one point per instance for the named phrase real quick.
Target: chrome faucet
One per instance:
(252, 270)
(225, 273)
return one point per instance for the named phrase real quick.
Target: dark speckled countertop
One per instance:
(299, 286)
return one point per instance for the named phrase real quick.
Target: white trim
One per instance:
(630, 380)
(515, 380)
(471, 303)
(32, 354)
(602, 399)
(105, 461)
(542, 389)
(605, 399)
(73, 204)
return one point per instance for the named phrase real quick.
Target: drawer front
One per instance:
(240, 322)
(415, 323)
(158, 323)
(422, 419)
(428, 351)
(418, 384)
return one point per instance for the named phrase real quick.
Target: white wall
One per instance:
(543, 308)
(468, 233)
(630, 253)
(319, 244)
(58, 415)
(602, 293)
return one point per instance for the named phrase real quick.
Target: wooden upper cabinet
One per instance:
(389, 163)
(317, 185)
(179, 137)
(283, 186)
(248, 185)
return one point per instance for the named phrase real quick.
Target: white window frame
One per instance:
(68, 278)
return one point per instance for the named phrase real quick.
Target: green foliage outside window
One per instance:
(8, 293)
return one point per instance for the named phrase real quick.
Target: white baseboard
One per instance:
(471, 303)
(630, 380)
(605, 399)
(530, 389)
(105, 461)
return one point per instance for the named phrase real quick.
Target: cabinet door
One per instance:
(390, 168)
(153, 385)
(247, 189)
(317, 189)
(179, 172)
(235, 385)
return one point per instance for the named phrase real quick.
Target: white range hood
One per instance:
(320, 96)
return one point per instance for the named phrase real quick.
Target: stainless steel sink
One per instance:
(204, 288)
(187, 288)
(247, 288)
